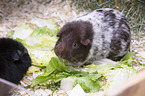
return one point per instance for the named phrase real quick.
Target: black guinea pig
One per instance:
(102, 33)
(14, 60)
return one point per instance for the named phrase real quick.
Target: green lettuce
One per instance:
(118, 76)
(56, 70)
(46, 26)
(22, 32)
(40, 42)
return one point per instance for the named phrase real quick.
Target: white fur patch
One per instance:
(102, 28)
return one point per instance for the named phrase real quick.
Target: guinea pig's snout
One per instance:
(62, 51)
(58, 51)
(63, 54)
(66, 57)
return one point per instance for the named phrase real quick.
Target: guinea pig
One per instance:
(102, 33)
(14, 60)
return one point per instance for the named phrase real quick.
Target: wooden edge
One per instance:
(134, 86)
(100, 1)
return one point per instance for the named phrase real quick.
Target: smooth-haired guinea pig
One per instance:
(14, 60)
(102, 33)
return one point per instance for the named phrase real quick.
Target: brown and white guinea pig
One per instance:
(14, 60)
(102, 33)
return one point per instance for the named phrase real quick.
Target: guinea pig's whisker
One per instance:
(74, 59)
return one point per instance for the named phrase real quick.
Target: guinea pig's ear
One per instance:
(17, 55)
(25, 51)
(85, 42)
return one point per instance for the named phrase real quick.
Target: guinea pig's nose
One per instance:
(61, 51)
(62, 54)
(65, 55)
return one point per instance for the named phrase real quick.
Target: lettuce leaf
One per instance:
(47, 26)
(56, 70)
(89, 83)
(39, 43)
(118, 76)
(22, 32)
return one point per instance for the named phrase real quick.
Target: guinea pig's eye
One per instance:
(74, 45)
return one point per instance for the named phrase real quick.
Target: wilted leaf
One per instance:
(127, 59)
(22, 32)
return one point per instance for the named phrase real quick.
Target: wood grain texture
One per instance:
(134, 86)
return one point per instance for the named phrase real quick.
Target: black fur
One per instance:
(14, 60)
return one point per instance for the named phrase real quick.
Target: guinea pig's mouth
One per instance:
(74, 63)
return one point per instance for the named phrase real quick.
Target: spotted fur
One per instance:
(111, 34)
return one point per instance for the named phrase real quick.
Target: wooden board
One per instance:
(134, 86)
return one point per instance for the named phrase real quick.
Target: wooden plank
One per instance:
(100, 1)
(116, 4)
(134, 86)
